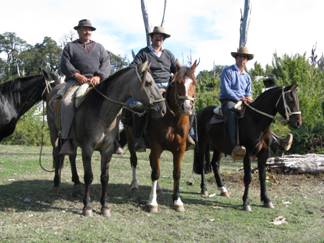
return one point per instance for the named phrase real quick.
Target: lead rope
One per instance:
(42, 143)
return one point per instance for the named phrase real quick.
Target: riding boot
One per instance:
(238, 151)
(192, 136)
(138, 131)
(67, 115)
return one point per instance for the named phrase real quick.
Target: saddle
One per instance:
(218, 116)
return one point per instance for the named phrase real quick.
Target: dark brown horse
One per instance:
(169, 133)
(96, 119)
(18, 96)
(253, 134)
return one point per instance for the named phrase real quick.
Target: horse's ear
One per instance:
(194, 65)
(178, 65)
(144, 66)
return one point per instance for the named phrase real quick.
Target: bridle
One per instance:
(288, 112)
(124, 104)
(179, 99)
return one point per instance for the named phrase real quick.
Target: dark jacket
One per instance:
(88, 60)
(161, 67)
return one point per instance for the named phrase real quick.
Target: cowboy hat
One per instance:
(242, 51)
(159, 30)
(84, 23)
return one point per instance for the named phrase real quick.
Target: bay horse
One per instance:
(96, 123)
(18, 96)
(168, 133)
(253, 133)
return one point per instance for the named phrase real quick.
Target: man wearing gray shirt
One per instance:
(83, 61)
(162, 67)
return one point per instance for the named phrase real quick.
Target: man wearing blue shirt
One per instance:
(236, 85)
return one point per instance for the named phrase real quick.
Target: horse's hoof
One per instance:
(179, 208)
(153, 208)
(225, 194)
(204, 194)
(268, 204)
(106, 212)
(247, 208)
(87, 212)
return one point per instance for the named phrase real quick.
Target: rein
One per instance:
(288, 112)
(124, 104)
(47, 89)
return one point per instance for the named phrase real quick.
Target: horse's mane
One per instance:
(16, 84)
(109, 81)
(267, 93)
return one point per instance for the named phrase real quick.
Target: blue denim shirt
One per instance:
(234, 84)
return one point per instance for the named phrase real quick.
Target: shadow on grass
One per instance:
(39, 196)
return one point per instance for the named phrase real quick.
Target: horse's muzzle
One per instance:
(295, 120)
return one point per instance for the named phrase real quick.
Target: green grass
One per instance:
(30, 211)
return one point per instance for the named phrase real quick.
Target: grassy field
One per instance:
(30, 211)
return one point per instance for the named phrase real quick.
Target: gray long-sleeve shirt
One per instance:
(161, 67)
(88, 59)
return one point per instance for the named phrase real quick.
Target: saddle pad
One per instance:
(215, 119)
(80, 94)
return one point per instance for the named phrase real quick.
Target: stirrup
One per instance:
(238, 152)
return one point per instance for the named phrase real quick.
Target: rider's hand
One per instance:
(80, 78)
(247, 99)
(94, 80)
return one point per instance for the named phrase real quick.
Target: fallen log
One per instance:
(297, 164)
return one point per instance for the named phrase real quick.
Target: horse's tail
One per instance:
(201, 153)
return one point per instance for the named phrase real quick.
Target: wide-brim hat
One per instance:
(159, 30)
(242, 51)
(84, 23)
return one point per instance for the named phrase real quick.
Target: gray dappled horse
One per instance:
(17, 97)
(95, 124)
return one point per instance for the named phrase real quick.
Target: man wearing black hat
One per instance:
(82, 61)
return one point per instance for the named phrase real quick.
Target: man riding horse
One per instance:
(163, 67)
(236, 85)
(83, 61)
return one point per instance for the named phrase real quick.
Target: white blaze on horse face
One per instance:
(188, 104)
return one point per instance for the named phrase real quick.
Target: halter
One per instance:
(123, 104)
(288, 112)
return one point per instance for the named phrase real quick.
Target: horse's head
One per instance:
(181, 93)
(148, 93)
(288, 106)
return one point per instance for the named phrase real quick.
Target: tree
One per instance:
(245, 21)
(12, 45)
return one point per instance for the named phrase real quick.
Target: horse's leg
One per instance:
(88, 177)
(203, 157)
(247, 180)
(262, 158)
(74, 171)
(104, 178)
(177, 158)
(133, 160)
(58, 164)
(215, 164)
(155, 175)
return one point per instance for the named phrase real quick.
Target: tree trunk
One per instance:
(146, 22)
(245, 21)
(297, 164)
